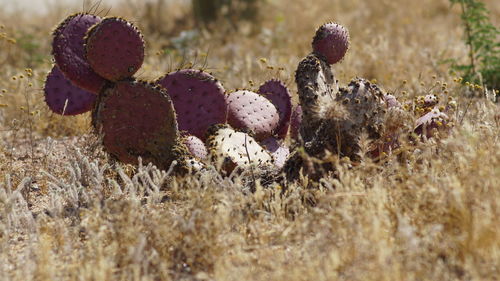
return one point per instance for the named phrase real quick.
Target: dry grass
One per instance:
(67, 212)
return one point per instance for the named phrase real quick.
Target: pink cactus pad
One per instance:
(196, 147)
(278, 94)
(63, 97)
(295, 122)
(69, 54)
(434, 119)
(199, 100)
(114, 49)
(331, 42)
(278, 150)
(391, 101)
(250, 111)
(137, 119)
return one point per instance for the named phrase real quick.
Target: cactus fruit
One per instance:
(195, 146)
(114, 49)
(250, 111)
(278, 150)
(433, 120)
(331, 42)
(137, 119)
(199, 100)
(63, 97)
(278, 94)
(235, 148)
(69, 53)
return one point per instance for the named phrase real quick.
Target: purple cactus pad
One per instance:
(196, 147)
(278, 94)
(63, 97)
(114, 49)
(138, 120)
(250, 111)
(199, 100)
(278, 150)
(331, 42)
(69, 53)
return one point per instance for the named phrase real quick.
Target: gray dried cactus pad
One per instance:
(316, 87)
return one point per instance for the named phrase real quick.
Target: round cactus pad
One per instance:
(198, 98)
(278, 94)
(137, 119)
(250, 111)
(331, 41)
(114, 49)
(63, 97)
(236, 148)
(69, 53)
(196, 147)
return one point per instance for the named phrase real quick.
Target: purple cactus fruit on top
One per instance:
(278, 94)
(331, 42)
(69, 53)
(199, 100)
(250, 111)
(63, 97)
(114, 48)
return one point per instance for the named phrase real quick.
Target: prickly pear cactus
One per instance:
(69, 53)
(275, 91)
(331, 42)
(250, 111)
(63, 97)
(137, 119)
(199, 100)
(195, 146)
(114, 49)
(232, 149)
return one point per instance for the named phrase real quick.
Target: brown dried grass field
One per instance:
(68, 212)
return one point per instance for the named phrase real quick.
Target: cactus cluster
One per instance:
(185, 115)
(188, 117)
